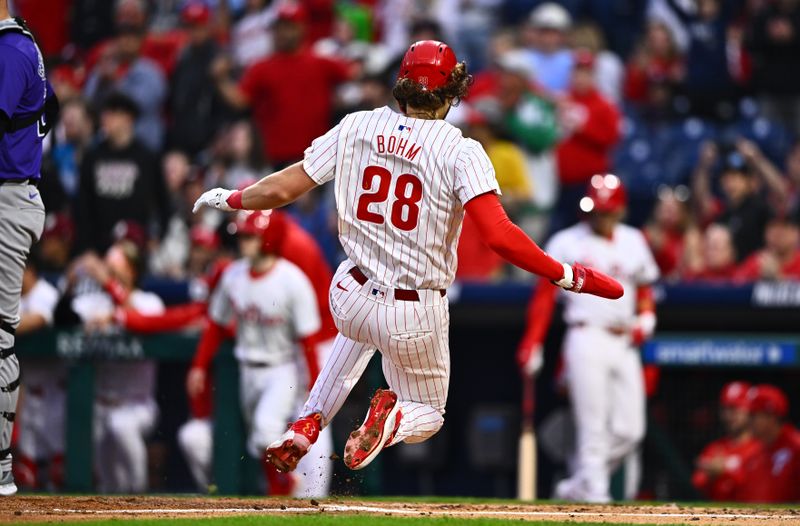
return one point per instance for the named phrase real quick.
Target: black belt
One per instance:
(5, 353)
(8, 416)
(399, 294)
(29, 180)
(4, 453)
(10, 329)
(257, 365)
(10, 388)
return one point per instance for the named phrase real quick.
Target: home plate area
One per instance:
(41, 509)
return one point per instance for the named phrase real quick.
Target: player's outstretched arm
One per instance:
(273, 191)
(513, 245)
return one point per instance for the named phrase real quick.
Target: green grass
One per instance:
(319, 520)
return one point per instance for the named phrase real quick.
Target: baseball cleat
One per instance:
(7, 486)
(377, 430)
(287, 451)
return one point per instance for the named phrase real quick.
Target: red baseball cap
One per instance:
(767, 398)
(292, 12)
(59, 224)
(205, 237)
(734, 394)
(195, 13)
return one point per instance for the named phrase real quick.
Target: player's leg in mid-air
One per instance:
(413, 338)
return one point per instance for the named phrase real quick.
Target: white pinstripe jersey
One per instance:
(401, 185)
(625, 257)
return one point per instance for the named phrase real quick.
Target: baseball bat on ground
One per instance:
(526, 458)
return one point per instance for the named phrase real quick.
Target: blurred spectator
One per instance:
(591, 127)
(55, 247)
(120, 180)
(485, 125)
(473, 25)
(122, 68)
(710, 256)
(655, 61)
(708, 83)
(125, 409)
(780, 257)
(477, 262)
(74, 134)
(49, 24)
(93, 21)
(196, 109)
(779, 188)
(530, 120)
(667, 229)
(274, 89)
(250, 38)
(159, 44)
(39, 462)
(237, 156)
(718, 468)
(774, 42)
(742, 209)
(608, 69)
(773, 473)
(545, 38)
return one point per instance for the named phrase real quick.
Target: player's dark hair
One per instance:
(410, 93)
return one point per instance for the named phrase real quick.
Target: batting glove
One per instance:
(644, 328)
(531, 359)
(216, 198)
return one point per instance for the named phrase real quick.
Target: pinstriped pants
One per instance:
(413, 340)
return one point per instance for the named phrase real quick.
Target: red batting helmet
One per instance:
(734, 394)
(605, 194)
(428, 63)
(267, 224)
(766, 398)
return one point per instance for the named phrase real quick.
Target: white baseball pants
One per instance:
(606, 388)
(120, 449)
(413, 339)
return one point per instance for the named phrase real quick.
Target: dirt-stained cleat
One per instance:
(377, 430)
(287, 451)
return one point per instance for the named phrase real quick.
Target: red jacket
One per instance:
(291, 95)
(725, 486)
(588, 150)
(750, 269)
(772, 474)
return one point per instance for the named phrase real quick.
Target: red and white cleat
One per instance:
(287, 451)
(375, 433)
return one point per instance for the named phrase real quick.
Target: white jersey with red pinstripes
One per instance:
(401, 185)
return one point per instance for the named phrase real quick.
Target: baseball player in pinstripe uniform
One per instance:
(403, 182)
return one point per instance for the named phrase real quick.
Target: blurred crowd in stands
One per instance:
(693, 103)
(695, 107)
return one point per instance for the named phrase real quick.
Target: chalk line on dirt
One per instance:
(336, 508)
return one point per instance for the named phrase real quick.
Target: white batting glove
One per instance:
(216, 198)
(534, 362)
(567, 281)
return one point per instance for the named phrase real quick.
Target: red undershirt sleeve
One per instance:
(211, 339)
(540, 313)
(173, 319)
(508, 240)
(310, 352)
